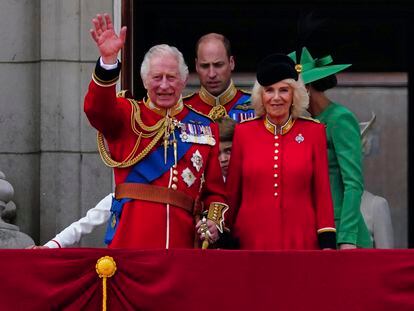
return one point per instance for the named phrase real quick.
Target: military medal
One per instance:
(188, 177)
(197, 160)
(195, 132)
(242, 112)
(299, 138)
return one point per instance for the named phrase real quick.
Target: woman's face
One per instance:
(277, 100)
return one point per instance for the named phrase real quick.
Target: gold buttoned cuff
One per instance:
(216, 213)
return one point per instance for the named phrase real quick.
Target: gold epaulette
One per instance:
(125, 94)
(198, 112)
(309, 119)
(189, 95)
(251, 119)
(245, 91)
(122, 94)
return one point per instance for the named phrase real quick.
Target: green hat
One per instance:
(313, 69)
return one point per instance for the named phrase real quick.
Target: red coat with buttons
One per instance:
(146, 224)
(278, 186)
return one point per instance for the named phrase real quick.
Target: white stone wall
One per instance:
(19, 106)
(47, 148)
(73, 178)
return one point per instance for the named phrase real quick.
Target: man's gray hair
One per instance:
(300, 98)
(161, 50)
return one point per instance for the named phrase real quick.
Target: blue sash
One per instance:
(238, 113)
(151, 168)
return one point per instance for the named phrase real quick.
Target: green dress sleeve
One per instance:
(346, 141)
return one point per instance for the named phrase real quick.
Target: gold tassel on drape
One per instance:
(105, 267)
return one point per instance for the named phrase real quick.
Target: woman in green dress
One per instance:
(344, 150)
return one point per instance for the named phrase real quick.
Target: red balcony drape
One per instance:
(65, 279)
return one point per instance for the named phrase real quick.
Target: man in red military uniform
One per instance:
(218, 96)
(164, 155)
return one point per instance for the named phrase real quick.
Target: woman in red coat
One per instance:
(278, 182)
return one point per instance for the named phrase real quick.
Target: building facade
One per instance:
(48, 149)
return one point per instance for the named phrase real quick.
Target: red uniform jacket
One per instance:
(236, 103)
(145, 224)
(278, 186)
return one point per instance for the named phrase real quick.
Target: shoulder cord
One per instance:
(156, 130)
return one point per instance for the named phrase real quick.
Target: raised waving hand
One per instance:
(107, 41)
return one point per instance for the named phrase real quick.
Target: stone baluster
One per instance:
(10, 236)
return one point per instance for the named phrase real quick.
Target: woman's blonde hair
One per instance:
(300, 98)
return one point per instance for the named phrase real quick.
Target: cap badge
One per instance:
(298, 68)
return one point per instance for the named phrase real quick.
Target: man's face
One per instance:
(224, 156)
(164, 83)
(213, 66)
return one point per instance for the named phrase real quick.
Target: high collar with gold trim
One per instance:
(279, 129)
(173, 111)
(222, 99)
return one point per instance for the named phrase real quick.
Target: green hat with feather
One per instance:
(313, 69)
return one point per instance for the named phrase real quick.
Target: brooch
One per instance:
(299, 138)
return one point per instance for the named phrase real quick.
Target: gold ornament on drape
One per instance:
(105, 268)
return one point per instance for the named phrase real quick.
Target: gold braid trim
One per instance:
(218, 112)
(216, 213)
(137, 117)
(156, 130)
(103, 83)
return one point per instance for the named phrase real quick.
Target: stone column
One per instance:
(19, 106)
(73, 178)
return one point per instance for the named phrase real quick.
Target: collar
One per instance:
(276, 129)
(222, 99)
(173, 111)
